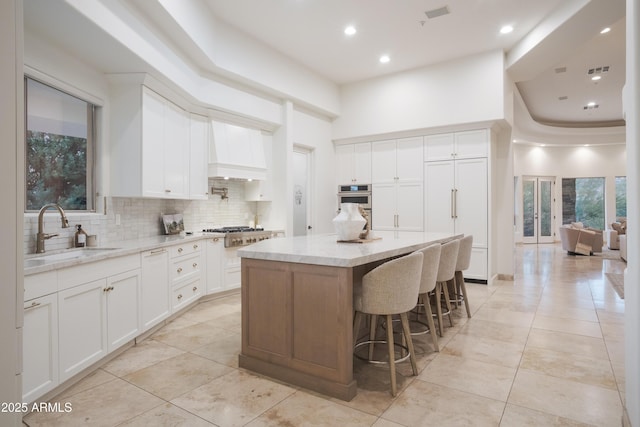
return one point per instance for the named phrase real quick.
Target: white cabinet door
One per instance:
(262, 190)
(215, 264)
(409, 206)
(471, 199)
(345, 158)
(39, 347)
(198, 179)
(383, 200)
(123, 315)
(473, 143)
(176, 151)
(383, 162)
(409, 163)
(362, 163)
(439, 197)
(152, 144)
(154, 299)
(439, 147)
(82, 327)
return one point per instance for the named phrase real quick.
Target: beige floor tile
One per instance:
(582, 369)
(425, 404)
(108, 404)
(568, 343)
(233, 399)
(166, 415)
(94, 379)
(207, 311)
(189, 338)
(568, 312)
(505, 315)
(471, 376)
(180, 374)
(225, 349)
(569, 399)
(517, 416)
(303, 409)
(230, 322)
(615, 349)
(142, 355)
(579, 327)
(385, 423)
(485, 350)
(497, 331)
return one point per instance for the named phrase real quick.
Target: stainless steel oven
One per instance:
(356, 193)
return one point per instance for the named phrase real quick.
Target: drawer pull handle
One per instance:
(180, 296)
(215, 239)
(158, 251)
(195, 288)
(180, 250)
(33, 305)
(195, 246)
(195, 265)
(180, 270)
(108, 289)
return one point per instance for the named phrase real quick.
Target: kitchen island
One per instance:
(297, 305)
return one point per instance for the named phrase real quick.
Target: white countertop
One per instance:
(325, 250)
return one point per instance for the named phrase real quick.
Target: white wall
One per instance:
(606, 161)
(11, 173)
(466, 90)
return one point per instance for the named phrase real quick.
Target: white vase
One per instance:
(348, 223)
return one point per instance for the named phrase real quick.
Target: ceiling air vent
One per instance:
(598, 70)
(561, 70)
(590, 107)
(435, 13)
(563, 98)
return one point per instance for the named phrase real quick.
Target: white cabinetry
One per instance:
(185, 274)
(150, 145)
(40, 347)
(459, 145)
(215, 264)
(456, 196)
(154, 300)
(262, 190)
(397, 189)
(354, 163)
(123, 316)
(198, 176)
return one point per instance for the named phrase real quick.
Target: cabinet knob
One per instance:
(179, 270)
(195, 246)
(180, 296)
(195, 265)
(167, 191)
(215, 239)
(195, 288)
(180, 250)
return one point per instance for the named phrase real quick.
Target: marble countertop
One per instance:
(325, 250)
(39, 263)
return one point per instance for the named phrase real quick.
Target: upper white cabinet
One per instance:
(150, 145)
(397, 160)
(198, 177)
(354, 163)
(262, 190)
(458, 145)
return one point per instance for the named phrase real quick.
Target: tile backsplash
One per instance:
(142, 217)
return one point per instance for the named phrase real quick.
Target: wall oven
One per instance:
(356, 193)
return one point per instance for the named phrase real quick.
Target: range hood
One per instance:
(236, 152)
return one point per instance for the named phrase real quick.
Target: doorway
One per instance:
(302, 197)
(537, 209)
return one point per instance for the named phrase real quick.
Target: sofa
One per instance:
(617, 237)
(580, 240)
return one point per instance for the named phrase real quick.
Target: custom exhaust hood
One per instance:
(236, 152)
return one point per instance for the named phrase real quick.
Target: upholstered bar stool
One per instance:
(464, 258)
(390, 289)
(446, 273)
(430, 262)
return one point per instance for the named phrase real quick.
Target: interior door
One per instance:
(537, 209)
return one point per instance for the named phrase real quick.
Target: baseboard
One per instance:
(508, 277)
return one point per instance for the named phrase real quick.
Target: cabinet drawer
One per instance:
(185, 294)
(185, 268)
(37, 285)
(74, 276)
(185, 249)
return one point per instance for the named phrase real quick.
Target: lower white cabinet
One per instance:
(215, 264)
(155, 304)
(40, 347)
(96, 318)
(186, 274)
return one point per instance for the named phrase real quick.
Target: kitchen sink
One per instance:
(65, 255)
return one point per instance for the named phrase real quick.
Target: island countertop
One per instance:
(324, 249)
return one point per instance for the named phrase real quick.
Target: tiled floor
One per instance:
(544, 350)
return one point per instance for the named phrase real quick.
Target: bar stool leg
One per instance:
(432, 326)
(463, 288)
(407, 336)
(357, 324)
(447, 301)
(372, 334)
(392, 361)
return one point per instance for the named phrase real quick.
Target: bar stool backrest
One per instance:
(448, 260)
(464, 253)
(430, 262)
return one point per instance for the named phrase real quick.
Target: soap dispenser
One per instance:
(81, 237)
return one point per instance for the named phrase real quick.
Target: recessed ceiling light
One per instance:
(226, 178)
(506, 29)
(543, 145)
(591, 104)
(596, 78)
(605, 30)
(350, 30)
(384, 59)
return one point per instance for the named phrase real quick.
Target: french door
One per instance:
(537, 209)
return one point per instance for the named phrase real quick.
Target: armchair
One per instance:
(580, 240)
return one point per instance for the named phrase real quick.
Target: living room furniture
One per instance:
(623, 247)
(576, 239)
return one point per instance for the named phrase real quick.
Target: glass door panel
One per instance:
(537, 210)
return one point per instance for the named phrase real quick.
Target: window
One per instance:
(59, 149)
(621, 197)
(583, 201)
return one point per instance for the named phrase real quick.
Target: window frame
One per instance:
(91, 149)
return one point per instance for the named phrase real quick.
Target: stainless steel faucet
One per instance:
(42, 236)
